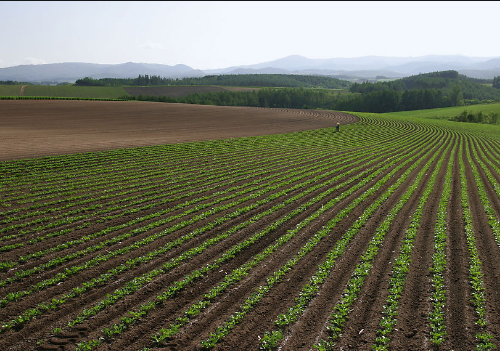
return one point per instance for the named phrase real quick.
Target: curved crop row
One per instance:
(312, 239)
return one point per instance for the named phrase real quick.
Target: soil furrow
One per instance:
(460, 317)
(283, 294)
(489, 254)
(359, 331)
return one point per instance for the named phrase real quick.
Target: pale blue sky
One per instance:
(213, 34)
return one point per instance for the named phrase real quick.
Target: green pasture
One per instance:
(74, 91)
(438, 118)
(64, 91)
(10, 90)
(448, 112)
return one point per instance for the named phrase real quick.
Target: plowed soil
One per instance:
(37, 128)
(186, 196)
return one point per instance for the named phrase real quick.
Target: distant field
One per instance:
(74, 91)
(447, 112)
(111, 92)
(10, 90)
(180, 91)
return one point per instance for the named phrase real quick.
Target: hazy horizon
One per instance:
(219, 34)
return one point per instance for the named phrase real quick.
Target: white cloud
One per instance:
(24, 61)
(33, 61)
(150, 45)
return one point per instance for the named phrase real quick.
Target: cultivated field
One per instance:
(96, 92)
(34, 128)
(181, 91)
(383, 236)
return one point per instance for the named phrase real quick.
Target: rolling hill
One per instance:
(360, 67)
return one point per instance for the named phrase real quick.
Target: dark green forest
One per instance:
(300, 98)
(12, 82)
(239, 80)
(424, 91)
(496, 82)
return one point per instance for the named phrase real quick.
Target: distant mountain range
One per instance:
(367, 67)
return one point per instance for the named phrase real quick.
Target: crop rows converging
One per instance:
(383, 236)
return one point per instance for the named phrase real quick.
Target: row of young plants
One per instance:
(159, 197)
(167, 333)
(493, 216)
(228, 176)
(223, 330)
(86, 162)
(229, 279)
(475, 265)
(272, 339)
(401, 265)
(125, 180)
(201, 304)
(255, 192)
(69, 180)
(437, 313)
(94, 194)
(72, 182)
(133, 285)
(64, 232)
(309, 147)
(126, 165)
(166, 170)
(162, 198)
(341, 310)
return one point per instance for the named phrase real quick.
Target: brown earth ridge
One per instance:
(35, 128)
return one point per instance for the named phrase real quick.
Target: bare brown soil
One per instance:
(77, 126)
(34, 128)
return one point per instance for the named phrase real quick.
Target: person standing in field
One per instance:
(337, 126)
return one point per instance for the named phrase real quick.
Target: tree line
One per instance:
(446, 81)
(245, 80)
(13, 82)
(268, 80)
(425, 91)
(496, 82)
(302, 98)
(480, 117)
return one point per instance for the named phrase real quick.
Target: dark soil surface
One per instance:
(33, 128)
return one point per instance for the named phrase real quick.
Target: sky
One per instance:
(222, 34)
